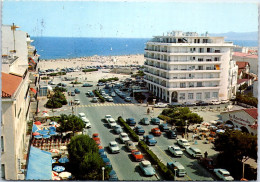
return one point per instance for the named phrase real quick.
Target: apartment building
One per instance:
(15, 102)
(187, 67)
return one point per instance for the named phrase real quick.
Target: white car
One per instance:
(183, 142)
(86, 121)
(113, 94)
(107, 117)
(111, 122)
(175, 150)
(124, 137)
(224, 101)
(82, 115)
(113, 146)
(215, 102)
(194, 152)
(223, 174)
(76, 102)
(109, 99)
(161, 105)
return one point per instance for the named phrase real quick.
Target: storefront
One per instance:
(245, 119)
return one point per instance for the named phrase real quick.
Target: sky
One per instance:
(128, 19)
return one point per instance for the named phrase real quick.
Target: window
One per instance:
(207, 95)
(19, 113)
(2, 143)
(3, 171)
(215, 94)
(208, 49)
(199, 84)
(208, 59)
(200, 59)
(191, 84)
(193, 58)
(182, 85)
(198, 96)
(201, 50)
(200, 67)
(205, 40)
(216, 59)
(182, 96)
(190, 96)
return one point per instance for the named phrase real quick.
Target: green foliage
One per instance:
(57, 74)
(150, 99)
(243, 87)
(156, 161)
(85, 162)
(45, 78)
(129, 130)
(70, 123)
(139, 97)
(139, 73)
(59, 89)
(165, 118)
(57, 100)
(29, 129)
(75, 82)
(99, 95)
(108, 79)
(53, 103)
(247, 99)
(89, 70)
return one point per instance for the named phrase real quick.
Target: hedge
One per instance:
(89, 70)
(128, 129)
(99, 95)
(45, 78)
(75, 82)
(165, 118)
(57, 74)
(167, 173)
(108, 79)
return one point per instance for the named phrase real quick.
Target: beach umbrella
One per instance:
(53, 161)
(58, 168)
(213, 122)
(228, 125)
(63, 160)
(46, 136)
(54, 151)
(52, 128)
(35, 128)
(35, 133)
(220, 131)
(44, 111)
(43, 132)
(53, 123)
(56, 178)
(65, 175)
(45, 128)
(37, 123)
(52, 133)
(54, 173)
(205, 124)
(45, 114)
(38, 136)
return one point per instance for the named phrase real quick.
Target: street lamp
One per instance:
(175, 169)
(103, 173)
(186, 121)
(243, 161)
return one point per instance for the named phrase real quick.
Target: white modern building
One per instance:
(187, 67)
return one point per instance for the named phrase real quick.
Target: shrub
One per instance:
(89, 70)
(108, 79)
(45, 78)
(129, 130)
(99, 95)
(59, 89)
(75, 82)
(53, 104)
(247, 99)
(139, 97)
(165, 118)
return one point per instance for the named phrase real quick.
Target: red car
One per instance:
(137, 155)
(207, 162)
(156, 132)
(95, 137)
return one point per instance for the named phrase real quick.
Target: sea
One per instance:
(71, 47)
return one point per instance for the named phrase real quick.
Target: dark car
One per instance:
(139, 130)
(144, 121)
(72, 94)
(171, 134)
(107, 86)
(107, 162)
(155, 121)
(112, 176)
(100, 84)
(87, 85)
(202, 103)
(131, 121)
(102, 153)
(77, 91)
(207, 162)
(61, 84)
(164, 127)
(149, 140)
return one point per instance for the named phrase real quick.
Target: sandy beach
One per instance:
(92, 61)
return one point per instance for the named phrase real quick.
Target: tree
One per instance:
(70, 123)
(85, 162)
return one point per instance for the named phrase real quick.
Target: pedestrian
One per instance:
(182, 135)
(206, 154)
(71, 102)
(192, 137)
(187, 136)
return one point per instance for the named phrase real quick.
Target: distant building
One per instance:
(240, 49)
(245, 119)
(187, 67)
(250, 58)
(255, 88)
(243, 68)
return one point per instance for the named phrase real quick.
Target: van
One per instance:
(176, 165)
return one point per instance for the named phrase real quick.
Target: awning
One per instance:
(33, 90)
(32, 60)
(39, 165)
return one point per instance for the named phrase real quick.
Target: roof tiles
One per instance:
(10, 83)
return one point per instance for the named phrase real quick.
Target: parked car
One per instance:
(107, 162)
(109, 99)
(113, 94)
(128, 99)
(155, 121)
(91, 94)
(117, 129)
(130, 145)
(138, 156)
(100, 84)
(207, 163)
(183, 142)
(139, 130)
(187, 104)
(194, 152)
(175, 150)
(160, 105)
(149, 140)
(72, 93)
(112, 176)
(51, 83)
(102, 153)
(176, 165)
(164, 127)
(215, 102)
(171, 134)
(107, 117)
(223, 174)
(131, 121)
(147, 168)
(95, 137)
(94, 100)
(124, 137)
(224, 101)
(82, 115)
(62, 84)
(77, 91)
(87, 85)
(113, 146)
(156, 132)
(202, 103)
(76, 102)
(144, 121)
(111, 122)
(174, 104)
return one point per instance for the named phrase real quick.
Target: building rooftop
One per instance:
(10, 83)
(252, 112)
(242, 80)
(242, 64)
(240, 54)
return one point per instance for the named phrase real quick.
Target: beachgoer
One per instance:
(148, 111)
(206, 154)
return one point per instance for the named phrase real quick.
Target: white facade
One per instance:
(15, 108)
(186, 67)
